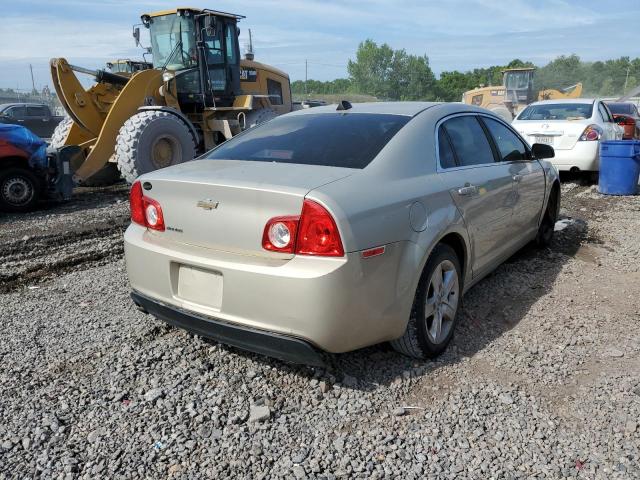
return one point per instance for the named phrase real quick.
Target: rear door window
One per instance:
(510, 147)
(469, 141)
(445, 152)
(37, 111)
(350, 140)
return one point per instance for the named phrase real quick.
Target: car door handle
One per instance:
(517, 178)
(468, 190)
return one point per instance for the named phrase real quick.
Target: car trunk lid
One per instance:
(561, 135)
(225, 204)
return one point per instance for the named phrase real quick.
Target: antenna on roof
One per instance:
(344, 105)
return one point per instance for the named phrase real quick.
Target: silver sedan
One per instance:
(334, 228)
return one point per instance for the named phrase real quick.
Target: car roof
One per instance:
(20, 104)
(565, 100)
(394, 108)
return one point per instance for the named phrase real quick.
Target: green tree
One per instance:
(391, 74)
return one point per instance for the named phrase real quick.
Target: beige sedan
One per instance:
(330, 229)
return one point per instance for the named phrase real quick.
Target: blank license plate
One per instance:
(547, 140)
(200, 286)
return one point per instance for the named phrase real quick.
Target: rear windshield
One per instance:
(557, 111)
(350, 140)
(624, 108)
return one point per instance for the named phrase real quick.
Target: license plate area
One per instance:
(544, 139)
(198, 285)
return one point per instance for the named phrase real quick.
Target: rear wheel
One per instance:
(152, 140)
(19, 190)
(435, 307)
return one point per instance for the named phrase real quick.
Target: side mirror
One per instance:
(136, 35)
(210, 25)
(542, 150)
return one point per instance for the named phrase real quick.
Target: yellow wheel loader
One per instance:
(198, 94)
(515, 93)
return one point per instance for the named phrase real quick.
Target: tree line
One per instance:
(390, 74)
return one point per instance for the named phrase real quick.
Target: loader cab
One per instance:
(518, 83)
(200, 50)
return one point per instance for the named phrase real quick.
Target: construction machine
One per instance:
(198, 94)
(515, 93)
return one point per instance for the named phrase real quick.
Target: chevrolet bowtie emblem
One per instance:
(208, 204)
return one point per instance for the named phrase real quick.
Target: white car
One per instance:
(573, 127)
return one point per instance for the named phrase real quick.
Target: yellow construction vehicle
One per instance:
(198, 94)
(515, 93)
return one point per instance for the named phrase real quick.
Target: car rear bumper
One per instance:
(334, 304)
(583, 156)
(285, 348)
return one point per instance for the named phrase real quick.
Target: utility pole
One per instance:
(306, 70)
(33, 83)
(624, 89)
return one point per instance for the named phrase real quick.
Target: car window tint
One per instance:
(510, 147)
(469, 140)
(18, 112)
(445, 153)
(37, 111)
(350, 140)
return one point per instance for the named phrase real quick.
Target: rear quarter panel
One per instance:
(375, 206)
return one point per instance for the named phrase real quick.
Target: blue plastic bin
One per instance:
(619, 167)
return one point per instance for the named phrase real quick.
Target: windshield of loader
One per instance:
(517, 80)
(173, 42)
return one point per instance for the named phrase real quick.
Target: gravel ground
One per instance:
(542, 380)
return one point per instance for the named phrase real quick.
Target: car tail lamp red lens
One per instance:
(318, 233)
(135, 204)
(591, 133)
(314, 232)
(145, 211)
(280, 234)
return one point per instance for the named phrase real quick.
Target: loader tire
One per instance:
(59, 135)
(152, 140)
(256, 117)
(504, 113)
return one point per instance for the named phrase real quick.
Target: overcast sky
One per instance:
(455, 34)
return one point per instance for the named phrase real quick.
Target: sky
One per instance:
(454, 34)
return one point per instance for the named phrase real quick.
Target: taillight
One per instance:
(318, 233)
(314, 232)
(280, 234)
(145, 211)
(135, 204)
(591, 133)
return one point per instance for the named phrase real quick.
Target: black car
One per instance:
(37, 117)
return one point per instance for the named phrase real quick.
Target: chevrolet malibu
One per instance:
(330, 229)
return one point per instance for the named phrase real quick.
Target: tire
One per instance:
(547, 226)
(19, 190)
(422, 339)
(256, 117)
(503, 113)
(152, 140)
(59, 135)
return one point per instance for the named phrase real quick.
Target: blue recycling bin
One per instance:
(619, 167)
